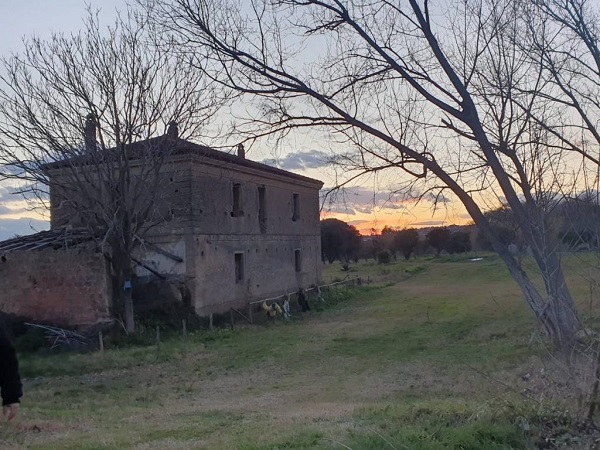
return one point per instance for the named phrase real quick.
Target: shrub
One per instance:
(383, 257)
(32, 340)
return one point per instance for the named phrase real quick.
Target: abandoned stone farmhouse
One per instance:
(237, 231)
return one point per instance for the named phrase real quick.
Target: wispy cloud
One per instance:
(389, 205)
(366, 201)
(340, 209)
(312, 159)
(428, 223)
(358, 222)
(8, 210)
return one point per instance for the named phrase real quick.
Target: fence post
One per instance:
(101, 341)
(157, 338)
(231, 318)
(184, 328)
(250, 314)
(210, 322)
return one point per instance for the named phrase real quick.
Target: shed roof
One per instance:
(57, 238)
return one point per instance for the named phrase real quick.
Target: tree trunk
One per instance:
(122, 297)
(559, 309)
(556, 310)
(557, 313)
(128, 316)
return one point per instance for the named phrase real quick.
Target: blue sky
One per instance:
(26, 18)
(363, 207)
(42, 17)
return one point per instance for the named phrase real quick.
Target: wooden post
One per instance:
(100, 341)
(184, 328)
(231, 318)
(157, 338)
(250, 314)
(210, 322)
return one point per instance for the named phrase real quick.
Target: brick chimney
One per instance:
(173, 130)
(241, 152)
(90, 133)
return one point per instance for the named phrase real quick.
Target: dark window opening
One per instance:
(262, 209)
(239, 267)
(298, 260)
(295, 207)
(237, 200)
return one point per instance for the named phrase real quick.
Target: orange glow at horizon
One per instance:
(365, 223)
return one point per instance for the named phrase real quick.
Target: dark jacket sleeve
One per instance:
(10, 381)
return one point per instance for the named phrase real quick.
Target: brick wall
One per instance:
(62, 287)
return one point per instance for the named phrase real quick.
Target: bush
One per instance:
(415, 270)
(384, 257)
(32, 340)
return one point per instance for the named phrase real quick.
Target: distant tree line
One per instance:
(574, 221)
(342, 242)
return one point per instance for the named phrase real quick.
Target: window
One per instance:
(239, 267)
(262, 209)
(298, 260)
(237, 210)
(295, 207)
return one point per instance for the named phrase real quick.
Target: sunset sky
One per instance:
(366, 204)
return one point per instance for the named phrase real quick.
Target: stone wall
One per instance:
(62, 287)
(269, 268)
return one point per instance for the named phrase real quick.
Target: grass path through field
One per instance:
(394, 362)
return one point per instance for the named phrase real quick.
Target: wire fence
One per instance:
(285, 305)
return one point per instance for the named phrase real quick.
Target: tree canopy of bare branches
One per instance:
(71, 108)
(457, 96)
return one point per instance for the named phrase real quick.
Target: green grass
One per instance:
(406, 362)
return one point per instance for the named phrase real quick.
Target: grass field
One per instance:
(430, 356)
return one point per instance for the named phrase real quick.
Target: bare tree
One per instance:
(82, 123)
(442, 93)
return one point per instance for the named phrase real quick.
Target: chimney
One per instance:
(90, 133)
(173, 130)
(241, 152)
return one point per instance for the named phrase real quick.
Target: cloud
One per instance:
(358, 222)
(312, 159)
(439, 197)
(11, 227)
(365, 201)
(390, 205)
(8, 210)
(364, 209)
(5, 194)
(340, 209)
(428, 223)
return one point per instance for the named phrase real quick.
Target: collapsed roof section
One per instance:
(56, 239)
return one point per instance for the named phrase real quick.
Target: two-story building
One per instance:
(237, 231)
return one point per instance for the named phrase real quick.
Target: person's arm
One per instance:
(10, 381)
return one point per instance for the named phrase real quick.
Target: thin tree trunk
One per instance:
(128, 315)
(122, 271)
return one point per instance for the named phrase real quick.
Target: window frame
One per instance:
(237, 200)
(298, 260)
(239, 267)
(295, 207)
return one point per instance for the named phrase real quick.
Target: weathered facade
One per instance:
(249, 231)
(234, 230)
(54, 277)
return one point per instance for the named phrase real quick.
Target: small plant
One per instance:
(415, 270)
